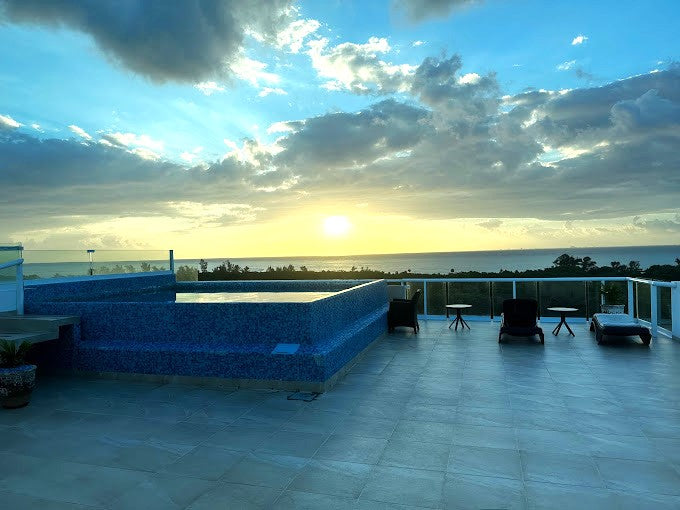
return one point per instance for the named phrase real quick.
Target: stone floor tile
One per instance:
(489, 462)
(462, 492)
(404, 486)
(346, 479)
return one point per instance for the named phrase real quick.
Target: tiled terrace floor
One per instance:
(442, 420)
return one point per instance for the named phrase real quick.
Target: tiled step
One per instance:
(33, 328)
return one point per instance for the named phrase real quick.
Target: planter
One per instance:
(16, 385)
(613, 308)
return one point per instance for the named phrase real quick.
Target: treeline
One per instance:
(563, 266)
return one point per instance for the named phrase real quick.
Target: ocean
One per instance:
(484, 261)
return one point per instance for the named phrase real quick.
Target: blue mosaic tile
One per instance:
(230, 340)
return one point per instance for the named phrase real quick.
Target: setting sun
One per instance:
(336, 226)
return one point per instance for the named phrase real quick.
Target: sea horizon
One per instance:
(424, 262)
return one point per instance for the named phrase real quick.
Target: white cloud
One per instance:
(253, 71)
(579, 39)
(293, 36)
(209, 87)
(133, 140)
(37, 127)
(280, 127)
(80, 132)
(358, 68)
(417, 43)
(190, 156)
(469, 79)
(268, 90)
(145, 153)
(565, 66)
(8, 122)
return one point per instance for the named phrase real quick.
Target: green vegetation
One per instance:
(12, 355)
(563, 266)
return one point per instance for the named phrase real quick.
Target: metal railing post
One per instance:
(172, 260)
(514, 289)
(675, 310)
(424, 298)
(631, 300)
(20, 289)
(654, 308)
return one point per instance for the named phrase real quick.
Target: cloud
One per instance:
(80, 132)
(454, 149)
(185, 41)
(492, 224)
(415, 44)
(37, 127)
(579, 39)
(357, 68)
(7, 122)
(419, 10)
(565, 66)
(132, 140)
(253, 71)
(293, 36)
(209, 87)
(268, 90)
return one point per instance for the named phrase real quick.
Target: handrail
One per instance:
(654, 283)
(510, 279)
(11, 263)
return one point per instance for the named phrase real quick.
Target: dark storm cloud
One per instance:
(184, 41)
(418, 10)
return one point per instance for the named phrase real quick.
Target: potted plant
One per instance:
(612, 298)
(17, 379)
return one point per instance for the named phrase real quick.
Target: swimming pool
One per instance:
(282, 334)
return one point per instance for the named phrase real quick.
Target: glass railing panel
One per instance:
(500, 292)
(7, 254)
(527, 290)
(55, 263)
(613, 297)
(436, 298)
(593, 298)
(663, 311)
(129, 261)
(470, 293)
(643, 300)
(562, 294)
(412, 287)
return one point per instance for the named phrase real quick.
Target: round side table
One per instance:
(563, 317)
(459, 318)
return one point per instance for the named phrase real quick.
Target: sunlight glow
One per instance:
(336, 226)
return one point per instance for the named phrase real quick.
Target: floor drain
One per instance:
(300, 395)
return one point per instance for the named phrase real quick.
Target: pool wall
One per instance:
(231, 341)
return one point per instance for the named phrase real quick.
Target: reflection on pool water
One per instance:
(250, 297)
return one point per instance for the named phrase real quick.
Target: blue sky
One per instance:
(239, 128)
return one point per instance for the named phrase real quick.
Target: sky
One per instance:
(280, 127)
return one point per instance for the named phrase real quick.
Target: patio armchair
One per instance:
(519, 318)
(404, 312)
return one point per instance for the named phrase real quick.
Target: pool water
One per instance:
(250, 297)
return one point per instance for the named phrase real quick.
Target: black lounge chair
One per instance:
(519, 318)
(404, 312)
(618, 324)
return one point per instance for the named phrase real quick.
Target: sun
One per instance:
(336, 226)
